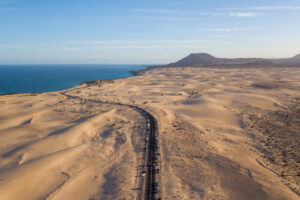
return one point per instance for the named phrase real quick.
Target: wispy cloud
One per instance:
(5, 9)
(275, 8)
(176, 3)
(6, 2)
(172, 18)
(3, 4)
(232, 14)
(146, 46)
(95, 45)
(158, 11)
(229, 30)
(10, 46)
(265, 8)
(111, 45)
(191, 16)
(244, 14)
(194, 14)
(134, 42)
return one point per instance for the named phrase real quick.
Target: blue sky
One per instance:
(145, 32)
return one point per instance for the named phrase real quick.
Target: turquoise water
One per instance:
(48, 78)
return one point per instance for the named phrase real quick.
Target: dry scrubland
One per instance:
(224, 134)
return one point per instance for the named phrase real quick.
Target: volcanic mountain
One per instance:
(204, 59)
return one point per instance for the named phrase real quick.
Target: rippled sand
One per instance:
(224, 134)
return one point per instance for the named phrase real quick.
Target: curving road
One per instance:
(151, 167)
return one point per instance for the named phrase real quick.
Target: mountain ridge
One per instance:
(296, 57)
(205, 59)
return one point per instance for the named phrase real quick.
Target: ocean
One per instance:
(49, 78)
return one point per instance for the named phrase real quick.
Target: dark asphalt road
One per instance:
(151, 185)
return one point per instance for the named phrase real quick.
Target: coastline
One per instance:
(141, 72)
(131, 73)
(215, 125)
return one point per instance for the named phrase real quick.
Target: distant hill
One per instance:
(296, 57)
(198, 59)
(291, 61)
(205, 59)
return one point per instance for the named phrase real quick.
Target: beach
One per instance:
(224, 133)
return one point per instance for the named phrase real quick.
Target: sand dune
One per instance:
(224, 134)
(66, 153)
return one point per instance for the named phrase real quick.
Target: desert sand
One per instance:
(223, 133)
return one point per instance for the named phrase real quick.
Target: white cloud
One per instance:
(232, 14)
(265, 8)
(275, 8)
(244, 14)
(193, 15)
